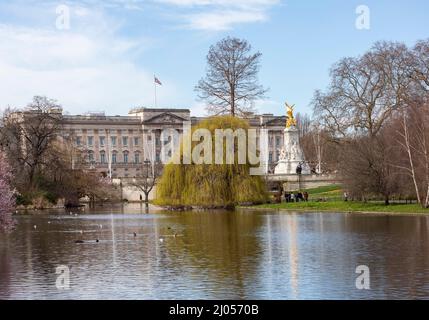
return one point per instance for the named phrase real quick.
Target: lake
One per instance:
(241, 254)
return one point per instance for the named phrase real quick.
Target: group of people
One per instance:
(296, 196)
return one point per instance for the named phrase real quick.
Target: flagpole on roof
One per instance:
(154, 84)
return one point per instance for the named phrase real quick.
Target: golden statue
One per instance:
(291, 121)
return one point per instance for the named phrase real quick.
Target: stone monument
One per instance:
(291, 159)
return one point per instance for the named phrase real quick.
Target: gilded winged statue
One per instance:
(291, 121)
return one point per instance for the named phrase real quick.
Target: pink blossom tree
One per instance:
(7, 200)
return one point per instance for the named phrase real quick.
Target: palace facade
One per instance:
(115, 145)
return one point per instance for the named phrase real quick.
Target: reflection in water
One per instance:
(209, 255)
(112, 227)
(293, 253)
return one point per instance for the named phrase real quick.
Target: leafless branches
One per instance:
(27, 135)
(413, 138)
(231, 83)
(421, 69)
(365, 91)
(377, 106)
(46, 163)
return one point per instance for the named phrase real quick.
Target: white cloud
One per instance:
(223, 20)
(112, 4)
(220, 15)
(83, 71)
(92, 66)
(227, 3)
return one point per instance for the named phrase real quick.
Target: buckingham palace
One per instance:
(114, 145)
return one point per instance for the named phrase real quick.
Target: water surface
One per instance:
(214, 255)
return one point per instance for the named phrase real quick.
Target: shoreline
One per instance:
(312, 210)
(261, 208)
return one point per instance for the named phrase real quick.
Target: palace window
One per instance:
(125, 141)
(90, 141)
(136, 157)
(113, 141)
(136, 141)
(125, 157)
(102, 141)
(102, 157)
(91, 156)
(278, 141)
(78, 141)
(114, 158)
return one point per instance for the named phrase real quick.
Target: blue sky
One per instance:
(107, 58)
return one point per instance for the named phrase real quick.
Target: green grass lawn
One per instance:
(332, 197)
(327, 193)
(349, 206)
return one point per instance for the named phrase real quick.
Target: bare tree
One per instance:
(365, 91)
(303, 124)
(146, 180)
(312, 141)
(231, 83)
(405, 142)
(27, 135)
(7, 199)
(366, 168)
(413, 137)
(320, 149)
(421, 69)
(377, 109)
(150, 170)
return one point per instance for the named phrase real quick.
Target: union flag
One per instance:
(157, 81)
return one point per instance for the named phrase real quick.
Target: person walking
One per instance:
(305, 196)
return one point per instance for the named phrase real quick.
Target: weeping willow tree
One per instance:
(210, 185)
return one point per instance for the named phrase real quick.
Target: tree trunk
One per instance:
(410, 158)
(31, 178)
(426, 156)
(232, 100)
(319, 154)
(427, 198)
(146, 198)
